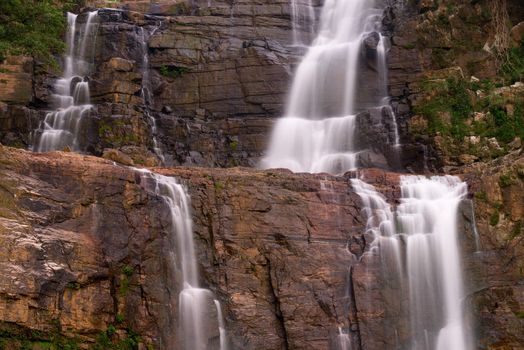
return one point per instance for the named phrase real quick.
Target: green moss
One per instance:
(516, 230)
(116, 133)
(519, 314)
(219, 186)
(73, 285)
(15, 337)
(505, 180)
(481, 195)
(119, 318)
(494, 218)
(173, 71)
(233, 145)
(128, 270)
(106, 340)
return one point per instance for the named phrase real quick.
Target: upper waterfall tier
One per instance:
(317, 133)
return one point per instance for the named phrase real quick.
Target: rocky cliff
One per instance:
(86, 256)
(85, 247)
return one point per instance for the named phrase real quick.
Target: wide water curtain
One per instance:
(317, 132)
(428, 218)
(61, 127)
(419, 247)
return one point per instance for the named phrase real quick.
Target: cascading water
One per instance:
(146, 90)
(60, 128)
(317, 133)
(196, 305)
(422, 252)
(427, 216)
(302, 20)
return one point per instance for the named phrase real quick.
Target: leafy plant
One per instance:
(33, 27)
(513, 67)
(173, 71)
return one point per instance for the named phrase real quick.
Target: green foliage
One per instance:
(481, 196)
(33, 27)
(173, 71)
(233, 145)
(128, 270)
(450, 96)
(450, 105)
(505, 180)
(516, 230)
(219, 186)
(119, 318)
(513, 67)
(14, 337)
(73, 285)
(106, 340)
(494, 218)
(116, 133)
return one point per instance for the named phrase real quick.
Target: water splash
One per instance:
(60, 128)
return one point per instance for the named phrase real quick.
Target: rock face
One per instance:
(87, 256)
(87, 248)
(497, 292)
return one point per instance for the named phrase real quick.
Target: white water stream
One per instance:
(196, 305)
(418, 244)
(145, 91)
(61, 128)
(317, 132)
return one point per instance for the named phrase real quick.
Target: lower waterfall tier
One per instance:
(282, 253)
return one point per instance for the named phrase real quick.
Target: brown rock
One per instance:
(517, 34)
(16, 80)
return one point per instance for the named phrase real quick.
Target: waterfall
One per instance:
(317, 131)
(418, 246)
(61, 127)
(145, 91)
(302, 20)
(196, 305)
(428, 217)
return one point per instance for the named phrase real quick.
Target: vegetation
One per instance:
(450, 106)
(115, 133)
(449, 97)
(494, 218)
(107, 340)
(33, 27)
(173, 71)
(127, 272)
(513, 66)
(14, 337)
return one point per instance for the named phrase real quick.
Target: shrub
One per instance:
(173, 71)
(33, 27)
(513, 67)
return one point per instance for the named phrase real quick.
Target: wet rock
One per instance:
(371, 41)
